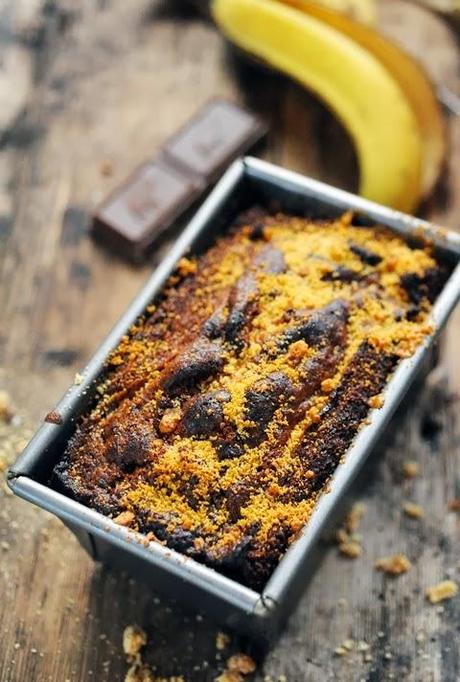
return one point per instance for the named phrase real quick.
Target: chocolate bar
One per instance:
(158, 192)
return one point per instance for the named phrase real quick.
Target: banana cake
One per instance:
(224, 412)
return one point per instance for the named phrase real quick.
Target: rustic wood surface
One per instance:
(87, 82)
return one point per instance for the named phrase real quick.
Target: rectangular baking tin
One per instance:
(247, 182)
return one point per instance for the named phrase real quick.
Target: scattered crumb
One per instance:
(368, 658)
(420, 636)
(350, 549)
(394, 565)
(446, 589)
(139, 673)
(6, 411)
(78, 379)
(53, 417)
(348, 644)
(241, 663)
(341, 536)
(125, 518)
(342, 602)
(106, 168)
(229, 676)
(454, 505)
(5, 546)
(413, 510)
(222, 641)
(354, 517)
(410, 468)
(388, 655)
(362, 646)
(282, 678)
(134, 638)
(340, 651)
(346, 538)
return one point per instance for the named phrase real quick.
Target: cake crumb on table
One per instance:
(446, 589)
(410, 468)
(222, 641)
(346, 538)
(134, 638)
(393, 565)
(413, 510)
(348, 644)
(6, 411)
(241, 663)
(229, 676)
(354, 516)
(345, 648)
(139, 673)
(362, 646)
(350, 549)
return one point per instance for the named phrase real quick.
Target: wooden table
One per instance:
(86, 86)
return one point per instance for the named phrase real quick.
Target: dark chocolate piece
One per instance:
(218, 133)
(204, 415)
(319, 328)
(140, 210)
(366, 255)
(200, 361)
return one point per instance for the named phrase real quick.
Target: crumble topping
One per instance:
(228, 406)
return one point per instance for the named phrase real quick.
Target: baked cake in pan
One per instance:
(224, 412)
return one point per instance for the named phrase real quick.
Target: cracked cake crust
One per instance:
(226, 409)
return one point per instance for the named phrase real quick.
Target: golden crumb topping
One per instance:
(227, 407)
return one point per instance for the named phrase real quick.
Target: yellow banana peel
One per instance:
(443, 6)
(364, 11)
(352, 81)
(411, 77)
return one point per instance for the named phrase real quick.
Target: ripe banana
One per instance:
(411, 77)
(361, 10)
(350, 79)
(444, 6)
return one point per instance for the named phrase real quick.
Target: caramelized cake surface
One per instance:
(227, 408)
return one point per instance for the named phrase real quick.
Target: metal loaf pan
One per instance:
(247, 182)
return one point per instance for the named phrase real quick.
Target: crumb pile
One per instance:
(227, 408)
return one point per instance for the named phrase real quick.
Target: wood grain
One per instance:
(82, 83)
